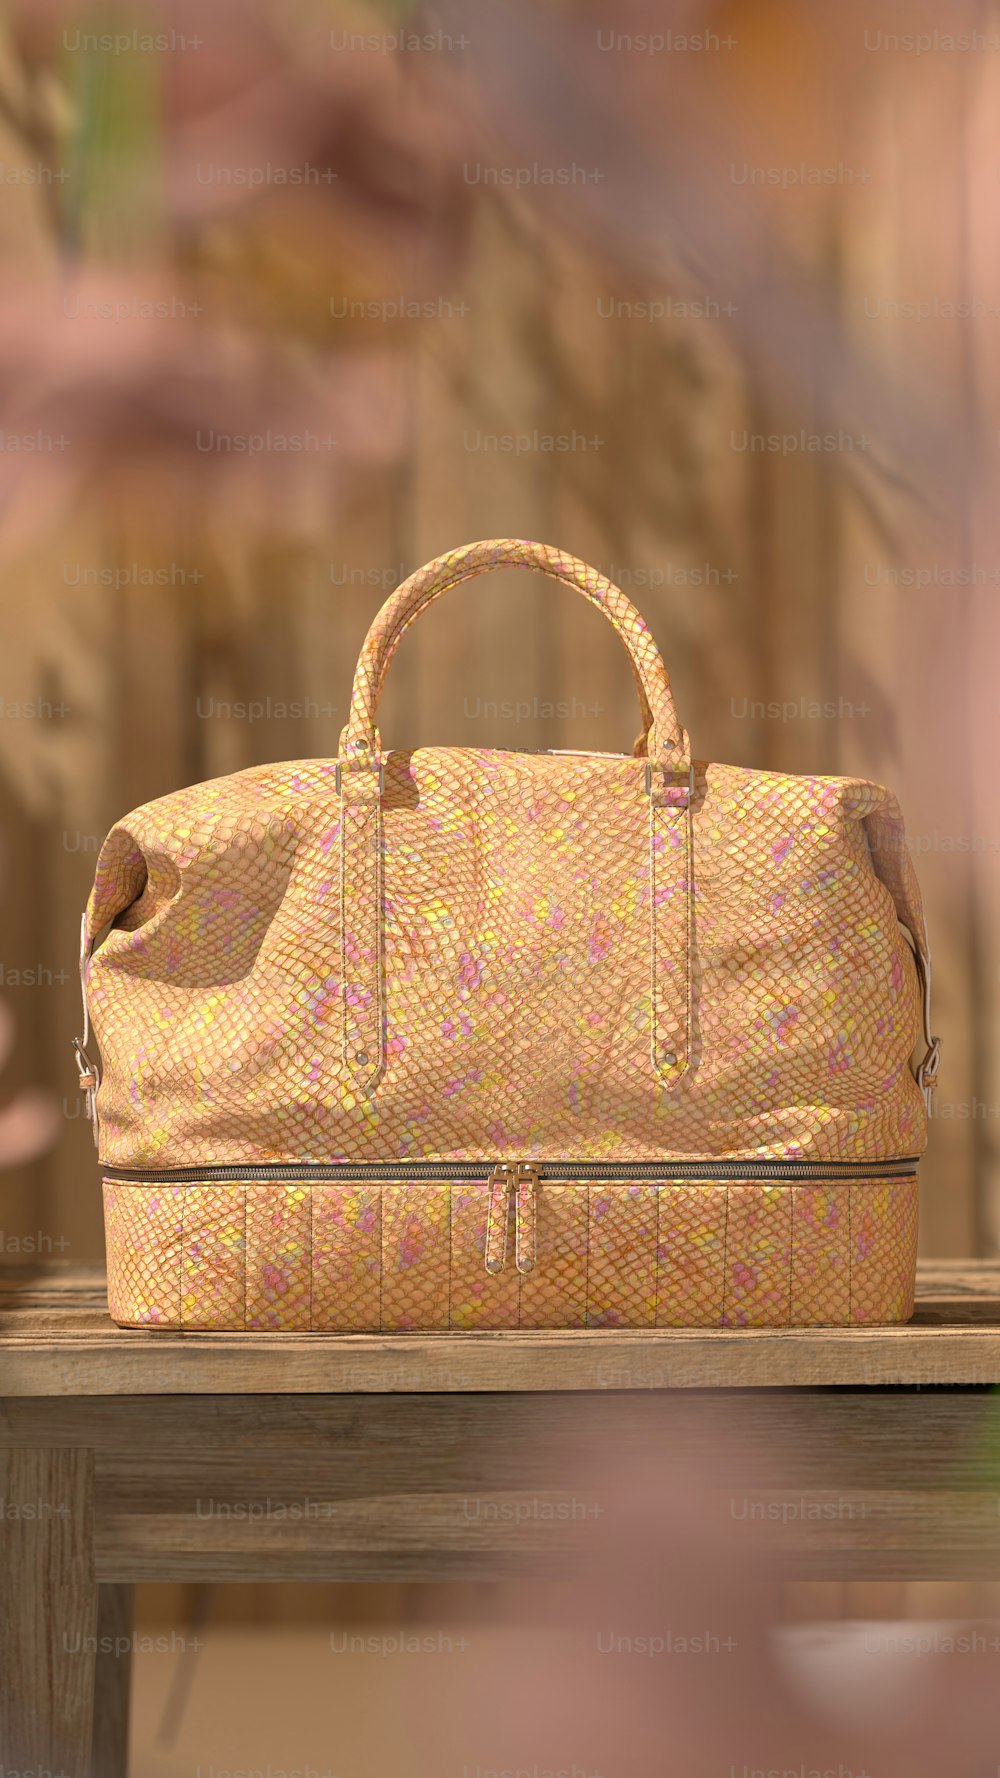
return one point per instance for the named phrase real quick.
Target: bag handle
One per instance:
(662, 739)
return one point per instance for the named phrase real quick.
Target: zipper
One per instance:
(452, 1171)
(513, 1185)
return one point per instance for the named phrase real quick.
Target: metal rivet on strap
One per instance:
(670, 1060)
(362, 1057)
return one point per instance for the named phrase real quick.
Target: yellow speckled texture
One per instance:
(466, 954)
(409, 1258)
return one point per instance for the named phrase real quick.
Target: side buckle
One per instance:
(927, 1073)
(89, 1072)
(89, 1080)
(361, 765)
(677, 791)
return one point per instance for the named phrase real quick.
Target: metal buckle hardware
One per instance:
(927, 1073)
(671, 779)
(360, 766)
(88, 1071)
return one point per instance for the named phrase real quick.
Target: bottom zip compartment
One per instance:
(432, 1255)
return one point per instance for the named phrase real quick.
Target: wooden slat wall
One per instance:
(664, 493)
(982, 628)
(906, 649)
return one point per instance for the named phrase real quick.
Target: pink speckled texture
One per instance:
(459, 954)
(410, 1257)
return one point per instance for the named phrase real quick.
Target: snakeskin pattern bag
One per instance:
(468, 1038)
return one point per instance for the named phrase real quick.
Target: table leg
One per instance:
(48, 1625)
(112, 1681)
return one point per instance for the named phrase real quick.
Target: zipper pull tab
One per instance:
(526, 1218)
(502, 1180)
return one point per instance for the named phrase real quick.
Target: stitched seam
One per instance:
(658, 1189)
(588, 1259)
(850, 1255)
(184, 1222)
(725, 1261)
(791, 1247)
(246, 1194)
(451, 1247)
(688, 924)
(683, 1024)
(365, 832)
(344, 812)
(311, 1226)
(520, 1278)
(379, 939)
(654, 917)
(913, 1189)
(685, 966)
(368, 1025)
(381, 1256)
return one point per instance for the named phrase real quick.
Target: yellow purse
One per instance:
(469, 1038)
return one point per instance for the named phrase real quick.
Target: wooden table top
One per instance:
(56, 1338)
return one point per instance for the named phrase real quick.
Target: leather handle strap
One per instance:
(360, 782)
(663, 737)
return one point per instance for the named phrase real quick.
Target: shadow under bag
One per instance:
(460, 1038)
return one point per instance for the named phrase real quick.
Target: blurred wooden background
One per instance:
(767, 579)
(838, 578)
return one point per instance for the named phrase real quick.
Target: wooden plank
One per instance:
(352, 1445)
(271, 1489)
(425, 1536)
(130, 1364)
(50, 1613)
(905, 1566)
(430, 1567)
(58, 1340)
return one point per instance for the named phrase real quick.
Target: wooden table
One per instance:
(418, 1457)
